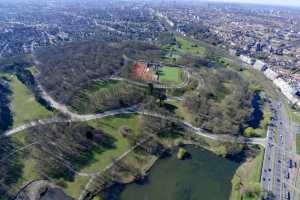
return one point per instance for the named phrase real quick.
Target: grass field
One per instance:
(23, 104)
(186, 46)
(183, 46)
(247, 174)
(298, 143)
(110, 125)
(171, 75)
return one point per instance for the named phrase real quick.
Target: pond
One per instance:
(205, 176)
(257, 114)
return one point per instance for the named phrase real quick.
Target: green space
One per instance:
(261, 131)
(112, 126)
(23, 104)
(181, 46)
(247, 178)
(298, 143)
(276, 135)
(179, 110)
(34, 71)
(294, 114)
(75, 187)
(171, 75)
(100, 96)
(186, 46)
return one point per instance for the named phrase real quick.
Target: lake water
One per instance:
(203, 177)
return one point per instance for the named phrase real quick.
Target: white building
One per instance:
(247, 59)
(259, 65)
(270, 74)
(287, 90)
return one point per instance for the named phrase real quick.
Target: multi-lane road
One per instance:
(279, 165)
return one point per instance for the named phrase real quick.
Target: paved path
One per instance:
(132, 110)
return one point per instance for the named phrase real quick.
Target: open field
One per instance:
(110, 125)
(183, 46)
(186, 46)
(171, 75)
(23, 104)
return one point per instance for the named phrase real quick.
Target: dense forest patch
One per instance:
(65, 69)
(6, 119)
(223, 106)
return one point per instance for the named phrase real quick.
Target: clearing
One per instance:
(23, 104)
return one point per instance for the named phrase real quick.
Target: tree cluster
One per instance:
(65, 147)
(6, 118)
(10, 168)
(223, 105)
(65, 69)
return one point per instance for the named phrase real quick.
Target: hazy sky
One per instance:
(272, 2)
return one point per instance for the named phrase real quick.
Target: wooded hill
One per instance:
(65, 69)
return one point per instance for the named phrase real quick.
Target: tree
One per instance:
(249, 132)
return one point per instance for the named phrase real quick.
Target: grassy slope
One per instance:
(110, 125)
(170, 75)
(23, 104)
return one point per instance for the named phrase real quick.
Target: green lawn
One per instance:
(23, 104)
(186, 46)
(110, 125)
(298, 143)
(183, 46)
(170, 75)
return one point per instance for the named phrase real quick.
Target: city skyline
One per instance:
(266, 2)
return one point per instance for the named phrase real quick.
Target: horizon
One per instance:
(295, 3)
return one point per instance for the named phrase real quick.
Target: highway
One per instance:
(279, 164)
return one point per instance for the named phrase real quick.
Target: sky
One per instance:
(271, 2)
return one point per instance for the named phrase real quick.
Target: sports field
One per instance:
(171, 75)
